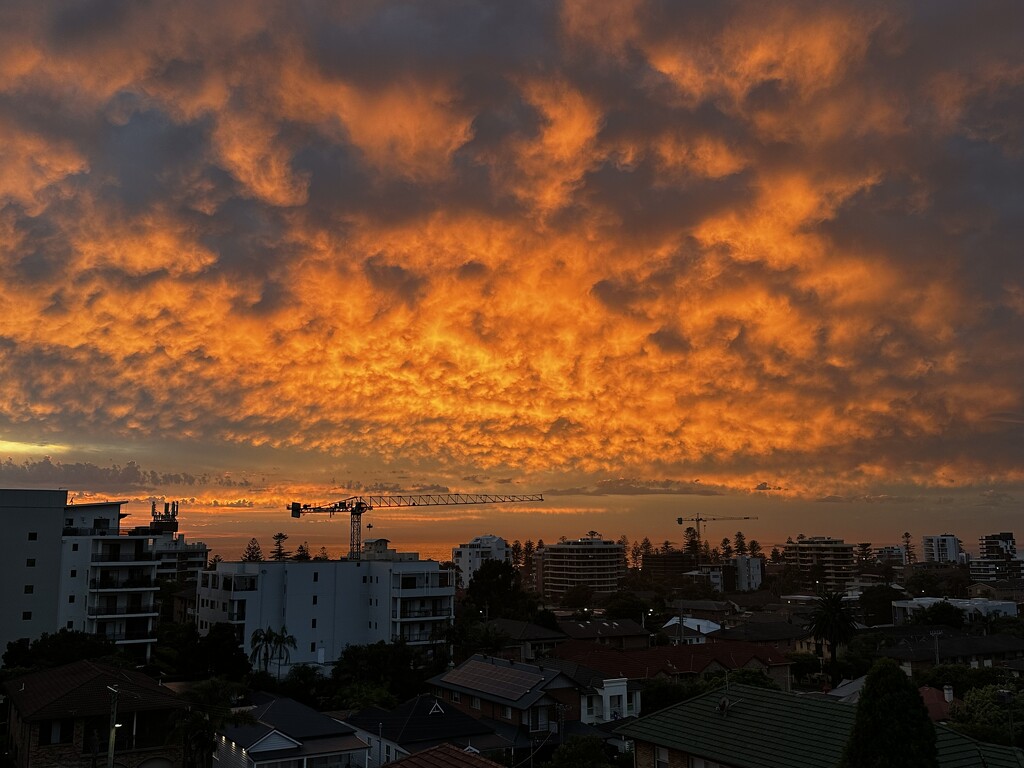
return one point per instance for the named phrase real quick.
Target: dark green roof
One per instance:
(749, 727)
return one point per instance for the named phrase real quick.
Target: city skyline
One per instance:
(649, 260)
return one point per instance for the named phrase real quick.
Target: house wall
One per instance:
(645, 755)
(28, 753)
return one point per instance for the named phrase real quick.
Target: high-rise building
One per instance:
(327, 605)
(72, 566)
(997, 559)
(586, 562)
(944, 548)
(469, 557)
(824, 563)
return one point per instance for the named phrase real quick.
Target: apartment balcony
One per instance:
(428, 614)
(123, 611)
(418, 638)
(124, 557)
(144, 584)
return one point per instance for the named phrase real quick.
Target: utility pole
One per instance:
(113, 725)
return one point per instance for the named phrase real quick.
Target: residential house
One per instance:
(971, 650)
(615, 633)
(62, 717)
(677, 662)
(524, 641)
(974, 609)
(745, 727)
(421, 724)
(446, 756)
(285, 732)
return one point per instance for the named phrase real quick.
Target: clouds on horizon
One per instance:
(772, 245)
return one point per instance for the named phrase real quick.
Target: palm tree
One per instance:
(832, 622)
(208, 711)
(281, 642)
(262, 645)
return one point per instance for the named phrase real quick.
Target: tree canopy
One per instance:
(892, 728)
(832, 623)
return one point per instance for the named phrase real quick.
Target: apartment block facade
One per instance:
(330, 604)
(589, 562)
(824, 563)
(469, 557)
(72, 566)
(997, 558)
(943, 548)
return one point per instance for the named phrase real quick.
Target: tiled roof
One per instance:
(763, 632)
(748, 727)
(423, 719)
(524, 630)
(525, 686)
(287, 716)
(965, 645)
(80, 689)
(445, 756)
(671, 660)
(589, 628)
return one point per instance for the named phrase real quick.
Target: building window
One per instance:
(475, 703)
(590, 705)
(30, 563)
(314, 599)
(74, 547)
(506, 712)
(313, 624)
(56, 732)
(74, 572)
(316, 575)
(33, 536)
(71, 598)
(71, 625)
(312, 647)
(29, 589)
(661, 758)
(26, 615)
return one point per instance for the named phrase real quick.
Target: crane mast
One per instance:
(356, 505)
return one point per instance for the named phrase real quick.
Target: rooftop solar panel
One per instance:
(504, 682)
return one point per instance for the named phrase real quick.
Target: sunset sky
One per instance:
(649, 259)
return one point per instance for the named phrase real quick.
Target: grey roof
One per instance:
(293, 719)
(499, 680)
(524, 630)
(762, 632)
(762, 728)
(425, 721)
(586, 629)
(963, 645)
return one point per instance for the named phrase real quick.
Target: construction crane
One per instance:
(356, 505)
(698, 520)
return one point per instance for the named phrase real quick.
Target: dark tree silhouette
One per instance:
(832, 623)
(253, 552)
(892, 728)
(279, 552)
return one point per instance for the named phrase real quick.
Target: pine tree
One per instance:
(892, 728)
(776, 556)
(908, 547)
(740, 543)
(253, 553)
(754, 548)
(517, 554)
(726, 548)
(302, 552)
(322, 555)
(279, 552)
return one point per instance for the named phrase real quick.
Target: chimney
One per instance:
(947, 692)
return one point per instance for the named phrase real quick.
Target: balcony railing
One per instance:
(140, 583)
(95, 611)
(123, 557)
(427, 613)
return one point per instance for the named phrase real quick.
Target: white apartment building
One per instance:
(72, 566)
(330, 604)
(589, 561)
(997, 559)
(469, 557)
(943, 548)
(891, 554)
